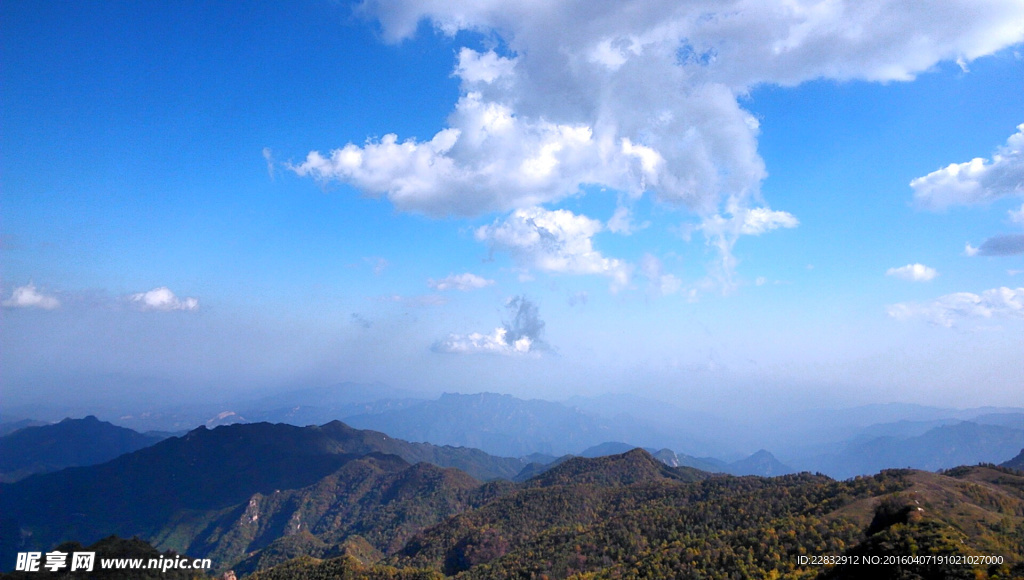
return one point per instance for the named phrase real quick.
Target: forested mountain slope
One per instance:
(720, 527)
(172, 492)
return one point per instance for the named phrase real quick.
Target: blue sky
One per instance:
(769, 202)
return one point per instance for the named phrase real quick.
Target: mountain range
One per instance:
(284, 502)
(856, 441)
(851, 445)
(940, 447)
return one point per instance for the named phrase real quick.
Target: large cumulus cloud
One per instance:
(639, 96)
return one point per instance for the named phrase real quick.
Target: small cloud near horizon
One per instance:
(518, 336)
(28, 296)
(162, 299)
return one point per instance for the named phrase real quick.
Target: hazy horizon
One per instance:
(732, 207)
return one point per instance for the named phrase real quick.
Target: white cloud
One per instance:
(520, 335)
(749, 42)
(498, 153)
(759, 220)
(639, 96)
(947, 310)
(28, 296)
(554, 241)
(462, 282)
(489, 160)
(476, 343)
(913, 273)
(975, 181)
(162, 299)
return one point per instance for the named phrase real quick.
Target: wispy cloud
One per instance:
(421, 300)
(723, 232)
(28, 296)
(378, 264)
(947, 310)
(1017, 215)
(913, 273)
(621, 222)
(162, 299)
(659, 283)
(268, 156)
(463, 282)
(360, 320)
(578, 298)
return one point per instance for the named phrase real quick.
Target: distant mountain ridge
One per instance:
(319, 405)
(69, 443)
(840, 443)
(760, 463)
(942, 447)
(928, 438)
(473, 461)
(8, 426)
(498, 424)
